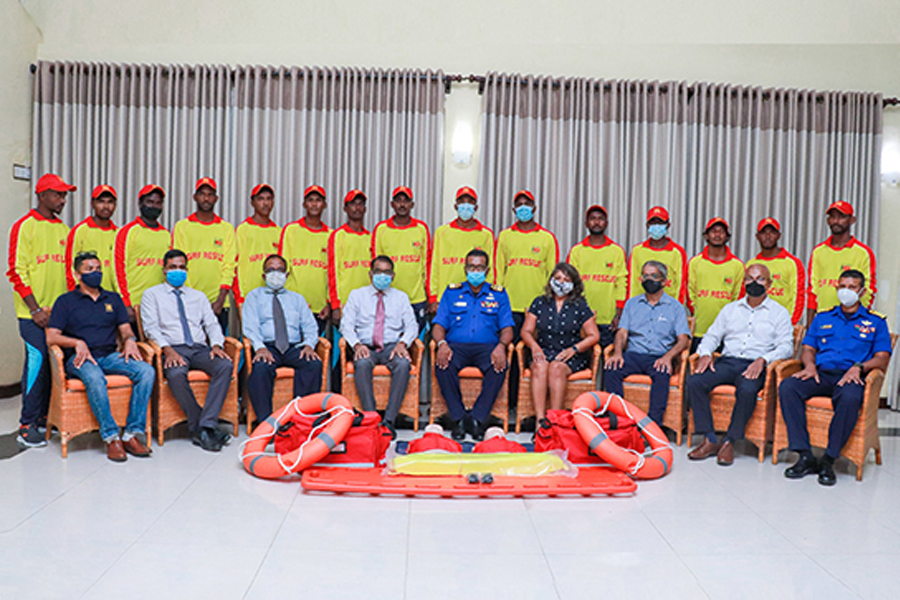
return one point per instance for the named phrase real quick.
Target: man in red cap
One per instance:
(97, 233)
(37, 272)
(788, 275)
(840, 252)
(601, 263)
(140, 246)
(715, 277)
(304, 244)
(661, 248)
(208, 241)
(452, 242)
(408, 242)
(255, 239)
(349, 254)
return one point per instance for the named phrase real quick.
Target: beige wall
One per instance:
(822, 44)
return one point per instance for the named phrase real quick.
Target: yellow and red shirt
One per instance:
(604, 273)
(138, 258)
(410, 249)
(524, 261)
(448, 258)
(253, 243)
(349, 255)
(826, 264)
(788, 281)
(211, 253)
(711, 285)
(306, 251)
(672, 255)
(37, 261)
(87, 236)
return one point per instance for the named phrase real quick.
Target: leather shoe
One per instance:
(222, 436)
(725, 456)
(476, 429)
(704, 450)
(826, 472)
(115, 451)
(807, 465)
(207, 439)
(134, 447)
(459, 430)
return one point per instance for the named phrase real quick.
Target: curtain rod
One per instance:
(450, 79)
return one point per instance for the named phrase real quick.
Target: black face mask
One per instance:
(755, 289)
(150, 213)
(651, 286)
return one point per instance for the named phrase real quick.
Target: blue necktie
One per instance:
(188, 338)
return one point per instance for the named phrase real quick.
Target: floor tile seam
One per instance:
(540, 542)
(268, 551)
(832, 575)
(676, 553)
(408, 544)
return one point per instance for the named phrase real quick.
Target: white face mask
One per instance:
(847, 297)
(276, 279)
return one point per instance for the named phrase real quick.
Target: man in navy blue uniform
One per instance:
(840, 348)
(473, 327)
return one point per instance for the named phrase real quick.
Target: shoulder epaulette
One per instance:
(454, 286)
(877, 314)
(497, 288)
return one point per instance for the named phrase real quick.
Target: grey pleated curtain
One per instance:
(128, 125)
(700, 150)
(342, 129)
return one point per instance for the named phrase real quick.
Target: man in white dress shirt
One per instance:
(179, 320)
(755, 331)
(378, 322)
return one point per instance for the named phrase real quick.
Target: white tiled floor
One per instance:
(188, 524)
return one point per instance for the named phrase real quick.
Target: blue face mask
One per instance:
(382, 281)
(465, 211)
(176, 277)
(92, 279)
(476, 278)
(524, 213)
(658, 231)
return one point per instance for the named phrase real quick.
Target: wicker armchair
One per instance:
(381, 382)
(579, 383)
(70, 412)
(470, 387)
(819, 413)
(760, 427)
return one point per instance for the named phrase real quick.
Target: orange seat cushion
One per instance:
(724, 389)
(823, 402)
(582, 375)
(378, 371)
(284, 372)
(639, 379)
(470, 373)
(112, 381)
(195, 375)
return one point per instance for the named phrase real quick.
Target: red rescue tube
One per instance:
(656, 463)
(321, 440)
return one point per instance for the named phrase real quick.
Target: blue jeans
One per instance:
(93, 376)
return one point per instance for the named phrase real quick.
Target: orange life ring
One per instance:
(656, 463)
(322, 439)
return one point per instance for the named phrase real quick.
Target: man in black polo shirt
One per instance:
(86, 320)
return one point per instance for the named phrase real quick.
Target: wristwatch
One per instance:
(859, 366)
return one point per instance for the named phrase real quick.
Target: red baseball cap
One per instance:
(717, 221)
(151, 187)
(103, 189)
(525, 193)
(260, 187)
(466, 191)
(594, 207)
(53, 182)
(842, 207)
(353, 194)
(768, 222)
(206, 181)
(658, 212)
(402, 190)
(314, 188)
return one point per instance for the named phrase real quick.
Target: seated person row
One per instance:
(283, 333)
(379, 324)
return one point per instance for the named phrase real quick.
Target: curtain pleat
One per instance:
(700, 150)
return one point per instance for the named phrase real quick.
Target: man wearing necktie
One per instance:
(379, 324)
(283, 331)
(180, 320)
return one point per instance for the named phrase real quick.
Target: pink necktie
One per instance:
(378, 333)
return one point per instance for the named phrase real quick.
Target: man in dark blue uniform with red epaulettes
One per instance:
(840, 348)
(473, 327)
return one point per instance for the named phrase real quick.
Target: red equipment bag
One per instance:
(433, 441)
(498, 444)
(557, 432)
(364, 445)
